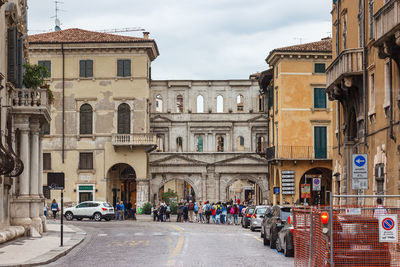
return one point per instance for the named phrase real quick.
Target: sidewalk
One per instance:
(27, 251)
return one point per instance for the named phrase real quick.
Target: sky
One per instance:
(198, 39)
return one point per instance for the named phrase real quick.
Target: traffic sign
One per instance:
(360, 171)
(388, 228)
(317, 184)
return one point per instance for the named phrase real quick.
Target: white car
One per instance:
(95, 210)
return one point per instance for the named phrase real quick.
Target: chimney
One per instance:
(146, 35)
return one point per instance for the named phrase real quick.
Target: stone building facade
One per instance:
(100, 133)
(23, 112)
(299, 125)
(208, 132)
(363, 83)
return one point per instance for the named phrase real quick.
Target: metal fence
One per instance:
(352, 239)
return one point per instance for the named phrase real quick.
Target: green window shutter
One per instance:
(120, 68)
(320, 142)
(20, 61)
(82, 68)
(319, 68)
(12, 55)
(89, 68)
(319, 98)
(127, 68)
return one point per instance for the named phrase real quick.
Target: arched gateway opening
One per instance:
(183, 190)
(245, 191)
(122, 184)
(317, 197)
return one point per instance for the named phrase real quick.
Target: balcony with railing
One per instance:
(31, 102)
(387, 21)
(136, 139)
(298, 153)
(348, 63)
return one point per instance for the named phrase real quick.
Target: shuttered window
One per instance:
(86, 161)
(46, 161)
(124, 119)
(47, 65)
(12, 55)
(86, 119)
(124, 67)
(86, 68)
(319, 67)
(46, 128)
(319, 98)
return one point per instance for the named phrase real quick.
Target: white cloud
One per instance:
(207, 39)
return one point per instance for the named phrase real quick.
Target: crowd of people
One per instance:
(198, 212)
(124, 211)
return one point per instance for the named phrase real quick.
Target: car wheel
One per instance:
(286, 252)
(266, 241)
(79, 219)
(261, 233)
(278, 245)
(69, 216)
(107, 219)
(97, 217)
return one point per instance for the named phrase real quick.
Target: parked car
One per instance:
(272, 223)
(247, 215)
(95, 210)
(285, 243)
(258, 215)
(356, 243)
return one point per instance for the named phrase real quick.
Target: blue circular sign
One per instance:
(316, 181)
(388, 224)
(360, 161)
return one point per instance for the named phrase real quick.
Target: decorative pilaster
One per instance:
(25, 157)
(34, 161)
(40, 185)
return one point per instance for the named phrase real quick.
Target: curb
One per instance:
(56, 253)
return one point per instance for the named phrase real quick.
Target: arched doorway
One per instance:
(320, 197)
(180, 190)
(122, 184)
(245, 191)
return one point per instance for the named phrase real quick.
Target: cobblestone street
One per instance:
(143, 243)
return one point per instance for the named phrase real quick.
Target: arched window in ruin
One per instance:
(86, 119)
(200, 104)
(159, 103)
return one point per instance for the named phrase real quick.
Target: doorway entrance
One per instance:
(122, 185)
(317, 197)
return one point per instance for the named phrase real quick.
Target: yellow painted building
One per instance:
(363, 83)
(99, 136)
(299, 141)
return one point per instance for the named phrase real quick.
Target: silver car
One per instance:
(257, 217)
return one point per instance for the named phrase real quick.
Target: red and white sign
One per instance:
(388, 228)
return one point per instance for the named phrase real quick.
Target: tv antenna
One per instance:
(57, 20)
(135, 29)
(299, 39)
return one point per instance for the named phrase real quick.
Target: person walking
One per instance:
(185, 212)
(213, 212)
(236, 215)
(231, 212)
(168, 213)
(54, 208)
(224, 213)
(129, 210)
(117, 212)
(191, 210)
(200, 208)
(122, 210)
(196, 212)
(179, 212)
(208, 211)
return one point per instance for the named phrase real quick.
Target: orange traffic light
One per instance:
(324, 217)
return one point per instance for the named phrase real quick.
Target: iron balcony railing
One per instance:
(348, 63)
(136, 139)
(298, 152)
(387, 20)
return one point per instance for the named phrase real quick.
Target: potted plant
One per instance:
(34, 78)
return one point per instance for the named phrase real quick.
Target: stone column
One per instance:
(142, 191)
(217, 177)
(25, 157)
(36, 208)
(204, 186)
(40, 185)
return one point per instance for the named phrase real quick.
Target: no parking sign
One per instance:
(388, 228)
(317, 183)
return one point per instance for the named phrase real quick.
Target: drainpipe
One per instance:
(339, 128)
(391, 100)
(63, 102)
(364, 74)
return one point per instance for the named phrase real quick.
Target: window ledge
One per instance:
(78, 171)
(86, 136)
(320, 109)
(46, 171)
